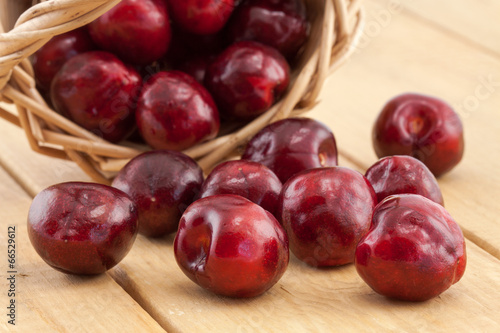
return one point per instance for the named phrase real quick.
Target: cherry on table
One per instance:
(292, 145)
(325, 212)
(82, 228)
(402, 174)
(162, 184)
(413, 251)
(421, 126)
(251, 180)
(231, 246)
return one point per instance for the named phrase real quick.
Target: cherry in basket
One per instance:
(49, 59)
(281, 24)
(176, 112)
(202, 17)
(98, 91)
(137, 31)
(246, 79)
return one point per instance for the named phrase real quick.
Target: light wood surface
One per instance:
(433, 48)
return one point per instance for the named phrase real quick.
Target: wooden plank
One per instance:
(47, 300)
(476, 22)
(408, 56)
(305, 299)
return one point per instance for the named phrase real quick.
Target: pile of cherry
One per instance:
(175, 82)
(235, 228)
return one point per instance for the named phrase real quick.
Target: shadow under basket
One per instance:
(335, 29)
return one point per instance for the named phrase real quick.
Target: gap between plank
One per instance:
(17, 178)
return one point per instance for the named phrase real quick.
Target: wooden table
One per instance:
(446, 48)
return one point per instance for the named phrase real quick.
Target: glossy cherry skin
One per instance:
(292, 145)
(414, 250)
(423, 127)
(176, 112)
(82, 228)
(281, 24)
(98, 92)
(231, 246)
(246, 79)
(201, 17)
(402, 174)
(251, 180)
(137, 31)
(162, 183)
(49, 59)
(325, 212)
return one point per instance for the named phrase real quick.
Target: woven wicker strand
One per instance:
(335, 29)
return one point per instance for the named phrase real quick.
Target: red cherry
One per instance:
(281, 24)
(413, 251)
(137, 31)
(202, 17)
(325, 212)
(423, 127)
(231, 246)
(246, 79)
(251, 180)
(82, 228)
(49, 59)
(176, 112)
(401, 174)
(162, 184)
(98, 92)
(292, 145)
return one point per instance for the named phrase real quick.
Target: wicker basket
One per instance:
(335, 28)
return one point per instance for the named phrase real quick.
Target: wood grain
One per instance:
(475, 21)
(47, 300)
